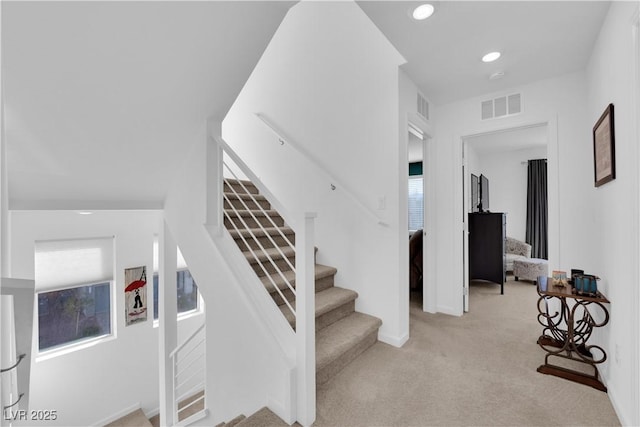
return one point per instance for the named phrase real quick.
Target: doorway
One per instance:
(415, 210)
(501, 159)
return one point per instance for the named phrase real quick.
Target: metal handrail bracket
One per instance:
(333, 181)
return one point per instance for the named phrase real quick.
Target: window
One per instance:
(416, 204)
(73, 314)
(187, 293)
(73, 282)
(187, 288)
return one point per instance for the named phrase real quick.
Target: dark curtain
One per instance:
(537, 212)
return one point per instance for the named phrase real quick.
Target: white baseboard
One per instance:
(393, 340)
(448, 310)
(117, 415)
(616, 407)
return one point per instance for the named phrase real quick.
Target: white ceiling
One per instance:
(538, 39)
(102, 99)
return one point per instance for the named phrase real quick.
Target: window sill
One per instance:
(182, 316)
(71, 348)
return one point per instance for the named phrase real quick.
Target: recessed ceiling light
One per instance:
(84, 213)
(497, 75)
(423, 11)
(490, 57)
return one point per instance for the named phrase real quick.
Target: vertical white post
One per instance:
(214, 219)
(305, 320)
(168, 317)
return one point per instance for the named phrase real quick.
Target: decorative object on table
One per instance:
(542, 282)
(575, 272)
(586, 284)
(559, 278)
(135, 295)
(604, 155)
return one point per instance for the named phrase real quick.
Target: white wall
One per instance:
(508, 184)
(612, 225)
(329, 81)
(90, 385)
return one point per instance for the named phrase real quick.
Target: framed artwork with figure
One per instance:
(135, 295)
(604, 158)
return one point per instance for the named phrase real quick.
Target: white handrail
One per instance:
(187, 341)
(334, 182)
(194, 367)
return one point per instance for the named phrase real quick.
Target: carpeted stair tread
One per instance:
(268, 253)
(234, 422)
(136, 418)
(326, 301)
(263, 418)
(247, 213)
(321, 272)
(338, 338)
(261, 232)
(243, 196)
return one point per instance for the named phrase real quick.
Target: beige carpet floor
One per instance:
(475, 370)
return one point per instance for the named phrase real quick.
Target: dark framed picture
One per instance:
(604, 154)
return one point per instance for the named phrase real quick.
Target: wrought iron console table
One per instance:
(567, 329)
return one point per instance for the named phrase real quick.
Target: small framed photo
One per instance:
(604, 157)
(559, 278)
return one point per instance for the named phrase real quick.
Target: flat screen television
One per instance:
(484, 194)
(475, 193)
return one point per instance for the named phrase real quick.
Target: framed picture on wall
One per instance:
(135, 294)
(604, 158)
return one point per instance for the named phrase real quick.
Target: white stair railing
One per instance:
(244, 206)
(334, 182)
(188, 363)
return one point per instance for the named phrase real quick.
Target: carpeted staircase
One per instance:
(341, 333)
(263, 418)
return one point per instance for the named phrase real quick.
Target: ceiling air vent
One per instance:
(423, 107)
(502, 106)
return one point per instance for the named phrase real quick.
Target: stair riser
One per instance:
(265, 241)
(325, 283)
(329, 371)
(334, 315)
(246, 204)
(321, 285)
(280, 262)
(235, 186)
(250, 221)
(326, 319)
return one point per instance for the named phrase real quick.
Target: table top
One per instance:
(567, 291)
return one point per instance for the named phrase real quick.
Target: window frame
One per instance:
(181, 315)
(81, 343)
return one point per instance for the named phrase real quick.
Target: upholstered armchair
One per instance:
(516, 249)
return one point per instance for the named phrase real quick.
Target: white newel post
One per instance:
(168, 319)
(214, 187)
(305, 320)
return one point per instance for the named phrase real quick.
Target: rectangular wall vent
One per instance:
(502, 106)
(423, 107)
